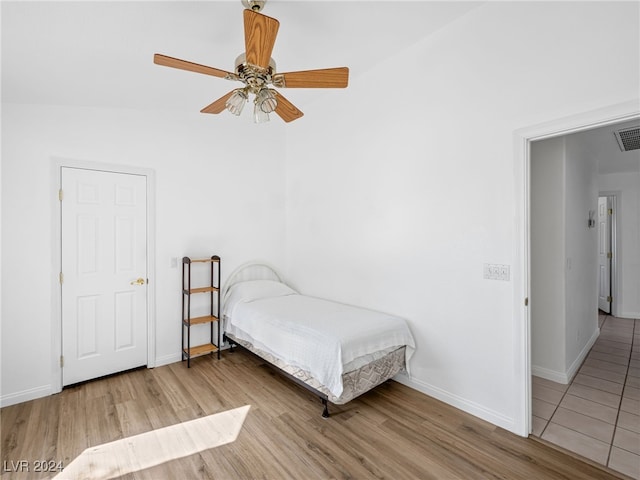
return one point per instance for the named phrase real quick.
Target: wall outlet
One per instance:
(494, 271)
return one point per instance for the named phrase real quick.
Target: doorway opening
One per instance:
(606, 242)
(523, 139)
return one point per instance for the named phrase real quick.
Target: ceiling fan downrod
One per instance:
(255, 5)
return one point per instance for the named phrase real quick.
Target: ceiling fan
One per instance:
(257, 70)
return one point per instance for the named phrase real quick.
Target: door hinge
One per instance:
(526, 301)
(609, 299)
(61, 278)
(61, 361)
(610, 211)
(60, 194)
(609, 255)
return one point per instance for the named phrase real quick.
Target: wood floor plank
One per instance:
(72, 439)
(118, 386)
(102, 421)
(172, 388)
(370, 445)
(13, 428)
(49, 430)
(390, 432)
(192, 466)
(132, 418)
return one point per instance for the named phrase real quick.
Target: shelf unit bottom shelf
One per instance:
(200, 350)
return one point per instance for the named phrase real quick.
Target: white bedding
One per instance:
(316, 335)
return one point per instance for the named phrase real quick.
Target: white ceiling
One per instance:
(101, 53)
(90, 53)
(603, 145)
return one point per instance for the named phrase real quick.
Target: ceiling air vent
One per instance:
(628, 138)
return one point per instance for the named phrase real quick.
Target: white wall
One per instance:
(627, 189)
(547, 298)
(215, 193)
(581, 250)
(564, 267)
(400, 190)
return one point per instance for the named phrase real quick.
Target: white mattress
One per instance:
(322, 337)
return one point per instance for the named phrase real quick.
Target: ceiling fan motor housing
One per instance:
(254, 76)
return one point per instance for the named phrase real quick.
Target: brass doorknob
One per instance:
(140, 281)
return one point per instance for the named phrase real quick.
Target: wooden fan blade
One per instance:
(219, 105)
(323, 78)
(260, 34)
(190, 66)
(287, 110)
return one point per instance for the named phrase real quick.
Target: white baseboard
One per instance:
(463, 404)
(547, 374)
(630, 315)
(566, 377)
(167, 359)
(25, 395)
(573, 368)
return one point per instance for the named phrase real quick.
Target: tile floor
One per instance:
(598, 414)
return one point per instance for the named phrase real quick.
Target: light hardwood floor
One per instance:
(391, 432)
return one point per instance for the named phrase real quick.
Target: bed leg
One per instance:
(232, 344)
(325, 412)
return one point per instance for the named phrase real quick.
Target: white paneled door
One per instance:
(605, 253)
(104, 273)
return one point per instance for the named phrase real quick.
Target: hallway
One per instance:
(598, 414)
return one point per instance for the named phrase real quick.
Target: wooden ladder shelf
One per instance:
(212, 319)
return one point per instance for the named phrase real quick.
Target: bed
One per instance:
(335, 350)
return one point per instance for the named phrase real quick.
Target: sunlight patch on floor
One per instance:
(149, 449)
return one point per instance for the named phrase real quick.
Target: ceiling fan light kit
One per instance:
(259, 115)
(266, 100)
(236, 101)
(257, 70)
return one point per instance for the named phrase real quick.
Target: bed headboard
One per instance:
(250, 271)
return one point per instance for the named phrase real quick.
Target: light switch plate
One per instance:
(494, 271)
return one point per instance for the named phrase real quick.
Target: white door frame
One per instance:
(522, 267)
(56, 289)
